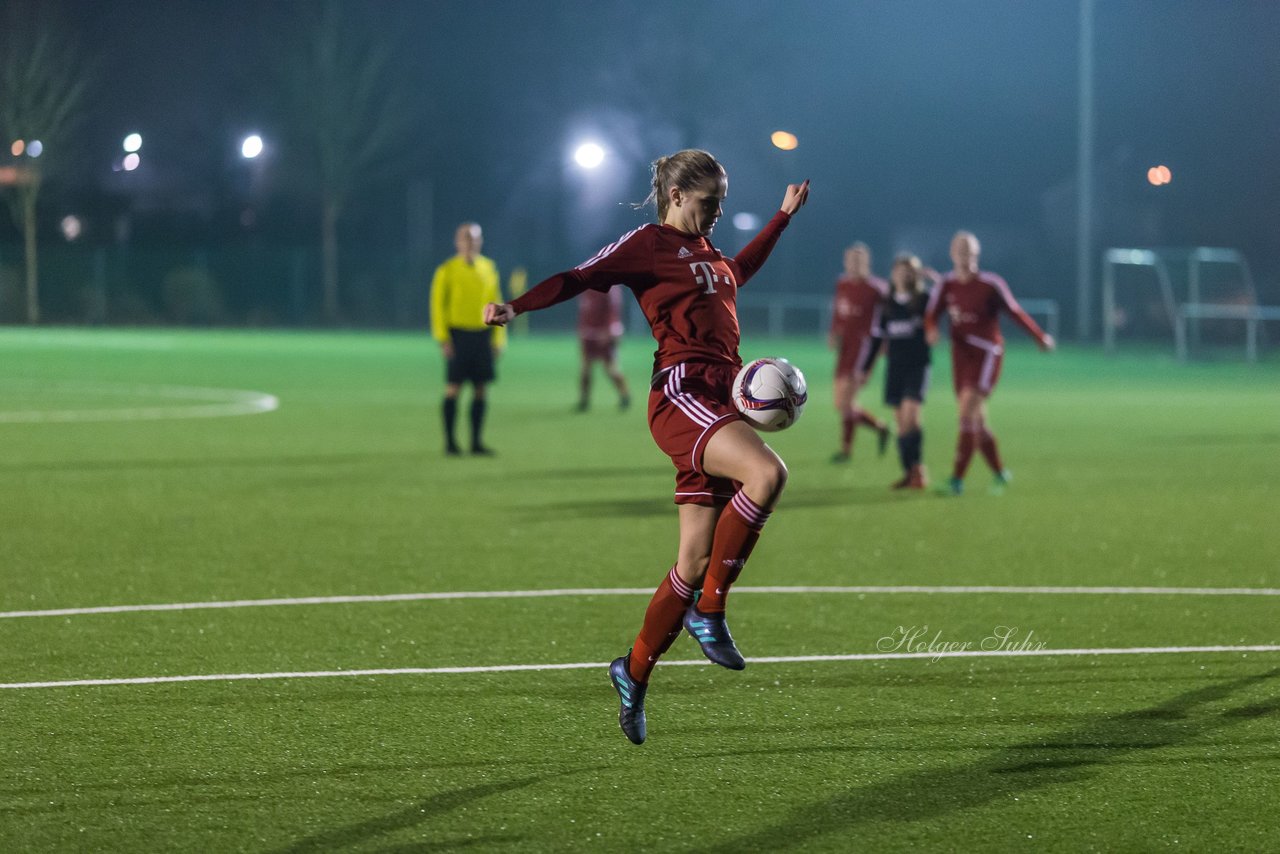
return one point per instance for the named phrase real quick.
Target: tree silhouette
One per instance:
(44, 82)
(347, 117)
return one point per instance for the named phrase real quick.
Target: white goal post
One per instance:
(1252, 315)
(1184, 314)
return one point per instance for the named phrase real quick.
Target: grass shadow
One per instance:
(419, 813)
(1066, 757)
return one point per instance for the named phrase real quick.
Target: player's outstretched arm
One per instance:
(755, 253)
(498, 314)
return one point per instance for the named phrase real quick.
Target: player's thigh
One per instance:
(737, 452)
(971, 402)
(842, 392)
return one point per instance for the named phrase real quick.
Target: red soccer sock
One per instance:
(865, 417)
(990, 451)
(847, 423)
(662, 624)
(964, 448)
(736, 534)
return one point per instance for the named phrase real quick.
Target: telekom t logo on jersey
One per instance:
(706, 275)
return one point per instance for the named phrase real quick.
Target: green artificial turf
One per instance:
(1130, 471)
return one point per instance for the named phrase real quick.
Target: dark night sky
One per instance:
(914, 118)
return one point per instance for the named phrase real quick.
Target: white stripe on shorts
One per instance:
(684, 401)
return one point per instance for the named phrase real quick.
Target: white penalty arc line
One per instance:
(519, 668)
(210, 403)
(637, 591)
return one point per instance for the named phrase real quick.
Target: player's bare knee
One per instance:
(691, 569)
(767, 482)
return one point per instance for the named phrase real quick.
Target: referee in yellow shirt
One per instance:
(459, 291)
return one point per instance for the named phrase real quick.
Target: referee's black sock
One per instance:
(477, 423)
(914, 446)
(450, 409)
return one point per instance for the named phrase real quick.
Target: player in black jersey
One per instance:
(900, 328)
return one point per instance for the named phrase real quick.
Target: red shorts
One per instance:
(976, 363)
(853, 357)
(604, 349)
(691, 403)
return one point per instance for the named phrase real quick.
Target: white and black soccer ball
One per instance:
(770, 394)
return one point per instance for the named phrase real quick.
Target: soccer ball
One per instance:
(770, 394)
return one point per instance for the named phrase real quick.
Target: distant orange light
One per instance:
(1165, 175)
(784, 140)
(1159, 175)
(17, 148)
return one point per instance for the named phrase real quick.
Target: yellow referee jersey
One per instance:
(459, 292)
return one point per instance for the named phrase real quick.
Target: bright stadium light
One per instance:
(132, 143)
(783, 139)
(18, 147)
(588, 155)
(132, 161)
(746, 221)
(35, 148)
(71, 227)
(251, 147)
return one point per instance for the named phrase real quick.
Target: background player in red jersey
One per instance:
(727, 478)
(973, 300)
(853, 314)
(599, 330)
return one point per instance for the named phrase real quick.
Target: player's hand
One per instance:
(446, 347)
(498, 314)
(1047, 344)
(497, 351)
(932, 275)
(931, 336)
(797, 195)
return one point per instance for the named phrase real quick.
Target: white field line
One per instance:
(207, 403)
(602, 665)
(638, 591)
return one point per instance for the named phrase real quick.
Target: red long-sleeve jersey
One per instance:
(600, 315)
(686, 288)
(973, 308)
(854, 309)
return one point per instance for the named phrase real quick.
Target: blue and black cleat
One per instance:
(631, 693)
(712, 634)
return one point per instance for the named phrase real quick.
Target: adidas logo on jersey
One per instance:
(684, 252)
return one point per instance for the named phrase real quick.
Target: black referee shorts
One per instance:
(905, 381)
(472, 360)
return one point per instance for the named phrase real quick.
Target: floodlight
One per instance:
(783, 139)
(589, 155)
(251, 147)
